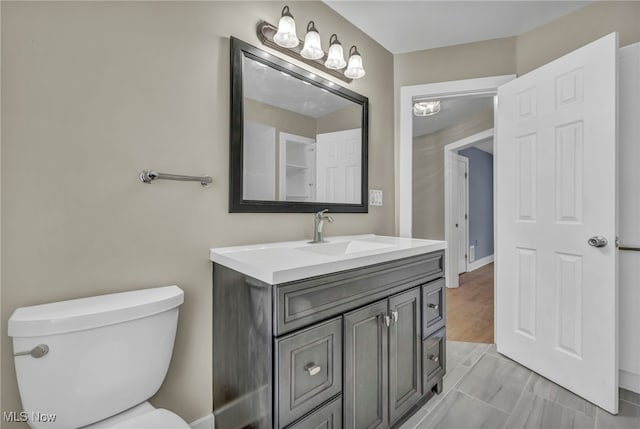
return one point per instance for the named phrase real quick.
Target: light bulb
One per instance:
(286, 35)
(355, 69)
(312, 49)
(335, 57)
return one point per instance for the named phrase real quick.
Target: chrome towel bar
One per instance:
(630, 248)
(148, 176)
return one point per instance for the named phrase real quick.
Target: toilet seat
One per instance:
(156, 419)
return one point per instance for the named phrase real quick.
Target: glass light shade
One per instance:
(312, 49)
(335, 57)
(355, 69)
(426, 108)
(286, 35)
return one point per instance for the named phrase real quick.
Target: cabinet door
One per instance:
(405, 365)
(366, 368)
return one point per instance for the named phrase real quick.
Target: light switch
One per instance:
(375, 197)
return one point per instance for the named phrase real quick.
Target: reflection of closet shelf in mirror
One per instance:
(297, 196)
(297, 167)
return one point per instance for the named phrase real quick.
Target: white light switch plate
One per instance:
(375, 197)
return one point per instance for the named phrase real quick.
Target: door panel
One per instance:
(339, 158)
(404, 352)
(366, 368)
(556, 188)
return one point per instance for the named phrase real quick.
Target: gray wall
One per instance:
(92, 93)
(428, 173)
(480, 200)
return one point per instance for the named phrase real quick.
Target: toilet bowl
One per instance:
(94, 362)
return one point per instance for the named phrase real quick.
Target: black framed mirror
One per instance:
(298, 142)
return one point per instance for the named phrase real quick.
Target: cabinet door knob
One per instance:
(394, 316)
(434, 306)
(386, 320)
(434, 358)
(313, 369)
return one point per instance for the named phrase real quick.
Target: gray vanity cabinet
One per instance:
(366, 367)
(405, 342)
(356, 349)
(382, 361)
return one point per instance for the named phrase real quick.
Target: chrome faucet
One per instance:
(318, 223)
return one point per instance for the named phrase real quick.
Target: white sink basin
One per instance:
(282, 262)
(345, 247)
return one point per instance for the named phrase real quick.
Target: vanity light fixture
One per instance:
(426, 108)
(335, 57)
(284, 39)
(286, 35)
(312, 45)
(355, 69)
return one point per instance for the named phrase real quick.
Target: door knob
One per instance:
(597, 241)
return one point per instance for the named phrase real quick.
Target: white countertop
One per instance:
(287, 261)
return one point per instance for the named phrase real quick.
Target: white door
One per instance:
(556, 167)
(338, 166)
(259, 162)
(461, 217)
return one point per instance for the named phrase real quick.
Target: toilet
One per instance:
(94, 362)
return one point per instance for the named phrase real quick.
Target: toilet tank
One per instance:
(106, 354)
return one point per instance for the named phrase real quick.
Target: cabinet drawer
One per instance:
(433, 307)
(308, 370)
(433, 359)
(301, 303)
(327, 417)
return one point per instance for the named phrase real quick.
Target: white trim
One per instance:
(478, 263)
(487, 85)
(206, 422)
(450, 203)
(465, 160)
(629, 381)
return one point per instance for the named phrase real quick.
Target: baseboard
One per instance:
(206, 422)
(479, 263)
(630, 381)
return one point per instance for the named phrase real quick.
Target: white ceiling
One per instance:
(270, 86)
(405, 26)
(452, 111)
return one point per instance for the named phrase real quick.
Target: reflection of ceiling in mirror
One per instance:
(266, 85)
(452, 111)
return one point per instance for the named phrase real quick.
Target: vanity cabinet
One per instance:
(353, 349)
(382, 361)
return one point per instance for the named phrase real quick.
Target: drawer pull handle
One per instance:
(434, 358)
(434, 306)
(394, 316)
(313, 369)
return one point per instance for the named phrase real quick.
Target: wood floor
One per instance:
(470, 307)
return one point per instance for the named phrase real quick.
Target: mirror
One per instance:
(298, 141)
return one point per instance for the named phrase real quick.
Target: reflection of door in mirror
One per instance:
(297, 168)
(259, 154)
(338, 164)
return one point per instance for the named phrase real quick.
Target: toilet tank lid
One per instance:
(92, 312)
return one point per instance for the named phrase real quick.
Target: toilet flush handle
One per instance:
(36, 352)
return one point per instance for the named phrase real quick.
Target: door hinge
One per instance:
(465, 256)
(465, 175)
(465, 216)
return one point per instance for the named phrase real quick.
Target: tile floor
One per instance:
(483, 389)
